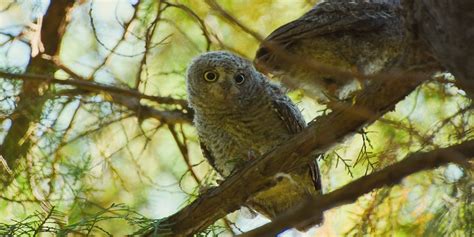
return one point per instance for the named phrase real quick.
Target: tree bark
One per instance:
(446, 27)
(33, 95)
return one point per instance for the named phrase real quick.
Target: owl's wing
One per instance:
(316, 176)
(294, 122)
(325, 18)
(332, 17)
(286, 110)
(207, 154)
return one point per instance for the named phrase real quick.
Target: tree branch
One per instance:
(125, 97)
(165, 116)
(446, 28)
(32, 98)
(95, 87)
(228, 17)
(378, 98)
(349, 193)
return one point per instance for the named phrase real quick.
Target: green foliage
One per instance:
(50, 220)
(89, 152)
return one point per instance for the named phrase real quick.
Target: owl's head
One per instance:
(221, 78)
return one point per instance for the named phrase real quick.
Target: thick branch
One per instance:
(349, 193)
(378, 98)
(446, 28)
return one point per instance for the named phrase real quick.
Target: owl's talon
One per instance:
(251, 155)
(205, 188)
(219, 181)
(354, 100)
(281, 176)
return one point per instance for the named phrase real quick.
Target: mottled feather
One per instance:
(358, 36)
(240, 115)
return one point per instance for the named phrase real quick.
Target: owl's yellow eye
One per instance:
(211, 76)
(239, 79)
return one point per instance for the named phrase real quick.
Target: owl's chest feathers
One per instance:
(255, 127)
(259, 126)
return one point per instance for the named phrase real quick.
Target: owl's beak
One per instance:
(225, 85)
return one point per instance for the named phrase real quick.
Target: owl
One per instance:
(362, 37)
(240, 115)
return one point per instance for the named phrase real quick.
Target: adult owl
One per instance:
(240, 115)
(359, 36)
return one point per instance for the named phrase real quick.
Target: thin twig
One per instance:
(94, 86)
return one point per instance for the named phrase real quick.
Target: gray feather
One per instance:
(234, 119)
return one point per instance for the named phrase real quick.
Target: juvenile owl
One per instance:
(358, 36)
(239, 115)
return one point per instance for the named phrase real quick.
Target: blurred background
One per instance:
(102, 162)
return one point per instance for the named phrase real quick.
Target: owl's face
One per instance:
(221, 78)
